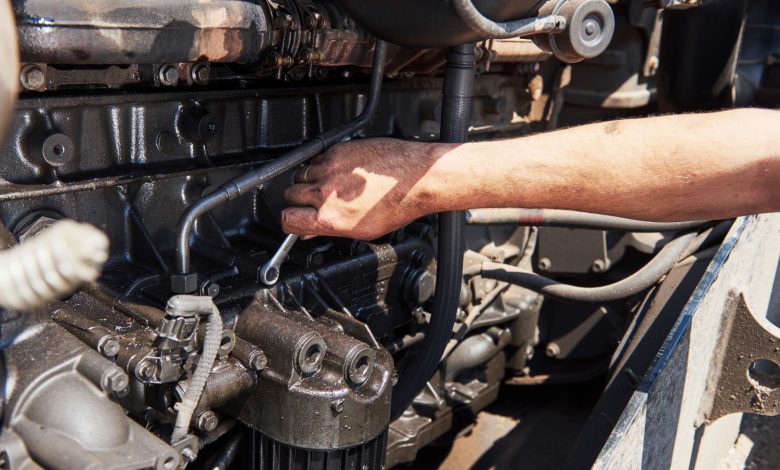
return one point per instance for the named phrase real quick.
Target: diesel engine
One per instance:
(155, 314)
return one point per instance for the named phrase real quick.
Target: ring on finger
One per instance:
(305, 176)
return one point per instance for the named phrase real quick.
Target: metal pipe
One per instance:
(488, 28)
(126, 32)
(633, 284)
(571, 219)
(456, 104)
(185, 281)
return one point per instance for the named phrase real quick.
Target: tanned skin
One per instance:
(666, 168)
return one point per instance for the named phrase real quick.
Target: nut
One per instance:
(207, 421)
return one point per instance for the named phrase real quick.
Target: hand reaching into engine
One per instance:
(360, 189)
(666, 168)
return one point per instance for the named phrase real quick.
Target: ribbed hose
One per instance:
(254, 178)
(490, 29)
(211, 341)
(571, 219)
(458, 88)
(633, 284)
(51, 265)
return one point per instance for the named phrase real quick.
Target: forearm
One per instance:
(695, 166)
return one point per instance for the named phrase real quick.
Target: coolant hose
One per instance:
(51, 264)
(648, 275)
(456, 104)
(571, 219)
(185, 281)
(211, 341)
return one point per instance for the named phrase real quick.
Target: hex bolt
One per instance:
(207, 421)
(552, 349)
(145, 370)
(200, 73)
(169, 75)
(33, 78)
(598, 266)
(108, 346)
(544, 264)
(115, 380)
(209, 288)
(258, 360)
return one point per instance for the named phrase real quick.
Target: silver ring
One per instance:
(306, 174)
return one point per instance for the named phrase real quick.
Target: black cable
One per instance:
(648, 275)
(571, 219)
(185, 281)
(456, 104)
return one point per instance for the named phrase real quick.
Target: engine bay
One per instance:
(214, 340)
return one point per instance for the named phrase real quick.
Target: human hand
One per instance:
(361, 189)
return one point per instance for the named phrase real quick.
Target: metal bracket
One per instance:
(747, 378)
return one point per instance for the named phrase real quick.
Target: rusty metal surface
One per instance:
(740, 384)
(121, 31)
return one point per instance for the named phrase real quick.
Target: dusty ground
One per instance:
(536, 427)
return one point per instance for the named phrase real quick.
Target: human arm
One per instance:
(692, 166)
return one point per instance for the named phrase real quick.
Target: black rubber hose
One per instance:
(633, 284)
(571, 219)
(249, 181)
(456, 104)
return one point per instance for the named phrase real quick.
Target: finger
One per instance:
(304, 195)
(300, 220)
(308, 174)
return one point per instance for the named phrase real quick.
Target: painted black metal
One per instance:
(185, 280)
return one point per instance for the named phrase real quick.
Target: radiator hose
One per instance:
(457, 91)
(211, 341)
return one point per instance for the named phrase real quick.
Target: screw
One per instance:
(207, 421)
(200, 73)
(544, 264)
(169, 75)
(552, 350)
(258, 360)
(33, 78)
(598, 266)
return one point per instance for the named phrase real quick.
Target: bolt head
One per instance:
(544, 264)
(207, 421)
(33, 78)
(169, 75)
(598, 266)
(258, 360)
(552, 350)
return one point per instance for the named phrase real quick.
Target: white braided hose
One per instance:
(51, 265)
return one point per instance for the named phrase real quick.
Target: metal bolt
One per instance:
(200, 73)
(258, 360)
(544, 264)
(188, 454)
(207, 421)
(115, 380)
(598, 266)
(169, 75)
(33, 78)
(337, 406)
(552, 350)
(108, 346)
(209, 288)
(145, 370)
